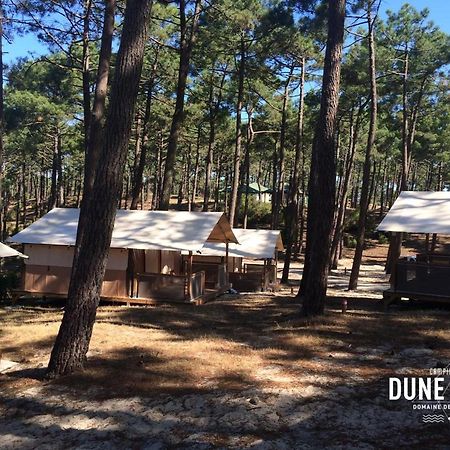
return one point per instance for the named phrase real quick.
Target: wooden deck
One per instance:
(208, 295)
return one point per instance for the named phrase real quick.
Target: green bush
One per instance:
(259, 213)
(383, 239)
(349, 241)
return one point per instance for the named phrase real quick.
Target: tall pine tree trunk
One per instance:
(238, 136)
(139, 172)
(292, 206)
(72, 342)
(365, 192)
(94, 145)
(213, 112)
(86, 81)
(2, 121)
(187, 40)
(321, 201)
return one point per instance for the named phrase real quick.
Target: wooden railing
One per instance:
(158, 285)
(216, 275)
(197, 285)
(422, 279)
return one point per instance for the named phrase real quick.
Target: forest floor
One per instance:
(244, 371)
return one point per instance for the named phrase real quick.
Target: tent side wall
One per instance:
(234, 263)
(48, 270)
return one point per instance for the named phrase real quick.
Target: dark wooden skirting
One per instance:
(210, 294)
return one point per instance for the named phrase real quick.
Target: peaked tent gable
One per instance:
(253, 244)
(419, 212)
(6, 251)
(155, 230)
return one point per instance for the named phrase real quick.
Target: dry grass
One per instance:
(230, 344)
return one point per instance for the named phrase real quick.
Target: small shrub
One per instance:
(259, 213)
(349, 241)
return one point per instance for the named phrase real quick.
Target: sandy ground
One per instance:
(241, 372)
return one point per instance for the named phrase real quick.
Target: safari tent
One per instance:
(252, 264)
(426, 275)
(6, 252)
(150, 259)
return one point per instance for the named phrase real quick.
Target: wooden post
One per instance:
(189, 274)
(226, 255)
(264, 273)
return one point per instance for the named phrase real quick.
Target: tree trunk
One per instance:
(323, 171)
(187, 40)
(364, 199)
(196, 168)
(342, 202)
(139, 172)
(59, 165)
(246, 177)
(238, 136)
(2, 120)
(86, 81)
(72, 342)
(213, 112)
(94, 146)
(279, 193)
(396, 239)
(292, 207)
(54, 186)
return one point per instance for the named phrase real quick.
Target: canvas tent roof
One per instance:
(6, 251)
(146, 230)
(257, 188)
(253, 244)
(419, 212)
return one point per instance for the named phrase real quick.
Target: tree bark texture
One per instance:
(187, 40)
(365, 192)
(72, 342)
(321, 202)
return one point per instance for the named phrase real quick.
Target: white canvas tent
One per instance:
(144, 230)
(6, 252)
(419, 212)
(424, 277)
(253, 244)
(262, 245)
(145, 259)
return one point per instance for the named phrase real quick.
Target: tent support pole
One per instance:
(189, 274)
(226, 255)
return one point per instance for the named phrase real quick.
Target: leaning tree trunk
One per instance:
(364, 199)
(187, 41)
(322, 188)
(72, 342)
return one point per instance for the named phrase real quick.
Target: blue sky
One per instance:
(439, 13)
(439, 10)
